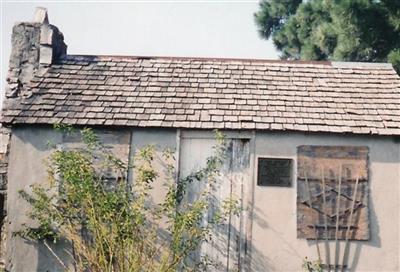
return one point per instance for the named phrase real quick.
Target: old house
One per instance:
(318, 143)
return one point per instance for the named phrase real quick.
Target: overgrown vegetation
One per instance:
(114, 226)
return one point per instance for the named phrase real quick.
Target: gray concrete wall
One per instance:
(274, 243)
(272, 228)
(4, 143)
(162, 139)
(29, 150)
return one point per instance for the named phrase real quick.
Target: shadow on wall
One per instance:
(352, 252)
(46, 260)
(260, 262)
(224, 262)
(375, 240)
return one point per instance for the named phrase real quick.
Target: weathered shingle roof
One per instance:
(213, 93)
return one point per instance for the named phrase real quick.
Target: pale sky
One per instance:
(145, 28)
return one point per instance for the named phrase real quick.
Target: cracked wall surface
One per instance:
(4, 148)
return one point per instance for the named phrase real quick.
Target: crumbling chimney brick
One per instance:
(35, 45)
(25, 44)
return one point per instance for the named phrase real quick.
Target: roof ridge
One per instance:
(84, 57)
(335, 64)
(359, 64)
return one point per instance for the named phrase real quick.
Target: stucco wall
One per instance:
(274, 243)
(274, 246)
(4, 142)
(29, 148)
(161, 139)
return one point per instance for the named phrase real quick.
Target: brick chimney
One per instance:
(35, 46)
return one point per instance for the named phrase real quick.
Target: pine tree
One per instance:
(346, 30)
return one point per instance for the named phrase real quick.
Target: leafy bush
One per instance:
(312, 266)
(115, 227)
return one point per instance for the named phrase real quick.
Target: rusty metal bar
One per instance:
(310, 204)
(346, 247)
(327, 251)
(337, 218)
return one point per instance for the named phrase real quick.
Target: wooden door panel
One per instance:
(226, 249)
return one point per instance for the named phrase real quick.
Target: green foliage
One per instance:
(348, 30)
(65, 128)
(115, 227)
(394, 58)
(312, 266)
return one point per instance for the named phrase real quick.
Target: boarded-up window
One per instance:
(274, 172)
(114, 143)
(332, 192)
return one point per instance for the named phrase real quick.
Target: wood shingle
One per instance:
(213, 93)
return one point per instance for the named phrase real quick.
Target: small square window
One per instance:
(274, 172)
